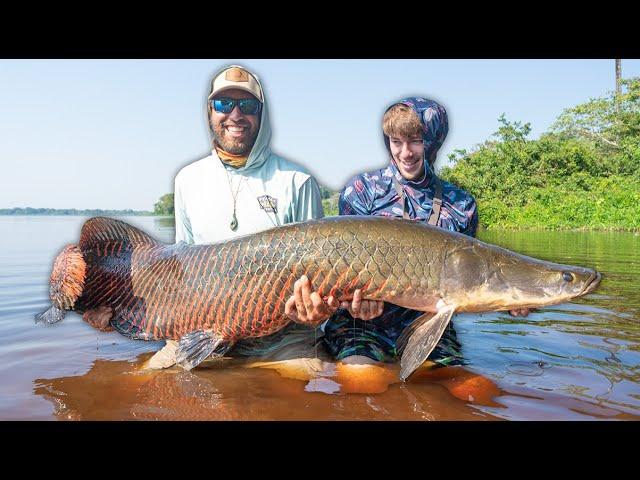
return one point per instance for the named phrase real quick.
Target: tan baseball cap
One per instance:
(238, 77)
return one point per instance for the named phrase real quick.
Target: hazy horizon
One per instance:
(112, 134)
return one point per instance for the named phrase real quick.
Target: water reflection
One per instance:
(120, 390)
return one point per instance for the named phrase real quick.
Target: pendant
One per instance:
(234, 222)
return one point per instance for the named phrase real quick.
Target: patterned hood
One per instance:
(435, 126)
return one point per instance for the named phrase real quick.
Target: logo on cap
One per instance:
(236, 75)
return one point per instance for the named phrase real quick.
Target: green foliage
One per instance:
(325, 192)
(164, 206)
(612, 125)
(329, 202)
(584, 173)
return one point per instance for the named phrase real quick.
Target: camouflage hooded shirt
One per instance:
(373, 193)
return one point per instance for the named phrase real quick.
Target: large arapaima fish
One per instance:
(210, 296)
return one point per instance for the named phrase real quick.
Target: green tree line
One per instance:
(96, 212)
(164, 206)
(584, 172)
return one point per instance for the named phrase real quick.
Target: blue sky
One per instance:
(113, 133)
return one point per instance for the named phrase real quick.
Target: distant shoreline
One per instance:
(71, 212)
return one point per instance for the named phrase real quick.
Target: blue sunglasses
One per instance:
(248, 106)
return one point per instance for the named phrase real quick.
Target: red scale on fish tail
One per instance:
(338, 286)
(281, 289)
(218, 290)
(150, 287)
(160, 297)
(146, 272)
(196, 313)
(262, 307)
(268, 311)
(365, 288)
(266, 291)
(131, 321)
(116, 282)
(103, 282)
(261, 310)
(248, 301)
(353, 284)
(324, 284)
(176, 293)
(229, 253)
(239, 289)
(152, 268)
(381, 288)
(210, 306)
(233, 317)
(278, 299)
(246, 318)
(195, 295)
(178, 308)
(230, 288)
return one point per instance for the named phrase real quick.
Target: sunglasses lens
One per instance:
(249, 106)
(223, 105)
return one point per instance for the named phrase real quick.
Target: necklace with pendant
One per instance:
(234, 220)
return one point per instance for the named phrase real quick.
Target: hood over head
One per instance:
(435, 126)
(238, 77)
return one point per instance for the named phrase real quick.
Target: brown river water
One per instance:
(576, 361)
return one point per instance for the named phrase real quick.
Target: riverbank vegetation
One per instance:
(582, 173)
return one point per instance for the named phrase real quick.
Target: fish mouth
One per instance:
(592, 284)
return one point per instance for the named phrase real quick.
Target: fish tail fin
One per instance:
(67, 278)
(195, 347)
(52, 315)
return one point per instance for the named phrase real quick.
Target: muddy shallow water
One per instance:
(574, 361)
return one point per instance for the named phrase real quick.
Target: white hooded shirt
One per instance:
(269, 190)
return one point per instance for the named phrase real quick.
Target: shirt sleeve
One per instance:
(354, 198)
(472, 224)
(308, 202)
(183, 225)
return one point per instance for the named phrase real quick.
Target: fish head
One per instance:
(483, 277)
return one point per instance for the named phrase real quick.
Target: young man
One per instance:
(414, 130)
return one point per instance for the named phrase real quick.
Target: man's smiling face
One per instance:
(235, 132)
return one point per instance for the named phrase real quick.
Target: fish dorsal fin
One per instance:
(99, 230)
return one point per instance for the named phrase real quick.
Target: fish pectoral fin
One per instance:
(52, 315)
(424, 335)
(99, 318)
(163, 358)
(401, 342)
(195, 347)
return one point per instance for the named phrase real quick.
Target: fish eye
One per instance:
(568, 276)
